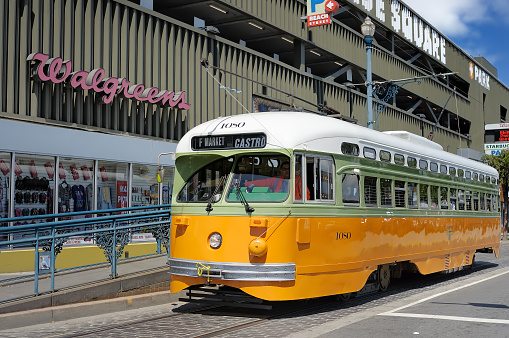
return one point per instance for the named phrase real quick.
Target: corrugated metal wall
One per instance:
(147, 48)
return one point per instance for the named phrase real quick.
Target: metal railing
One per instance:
(111, 230)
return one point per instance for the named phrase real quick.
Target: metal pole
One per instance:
(369, 39)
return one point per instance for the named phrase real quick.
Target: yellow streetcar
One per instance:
(293, 205)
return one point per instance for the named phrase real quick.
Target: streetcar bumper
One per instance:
(273, 272)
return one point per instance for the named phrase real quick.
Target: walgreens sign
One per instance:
(57, 71)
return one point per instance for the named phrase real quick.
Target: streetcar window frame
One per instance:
(433, 166)
(385, 156)
(351, 149)
(444, 203)
(413, 195)
(399, 159)
(386, 193)
(434, 194)
(423, 164)
(400, 194)
(369, 153)
(350, 190)
(311, 179)
(423, 196)
(371, 191)
(411, 162)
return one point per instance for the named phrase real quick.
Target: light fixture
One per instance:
(215, 240)
(255, 25)
(339, 64)
(316, 53)
(219, 9)
(409, 97)
(368, 27)
(286, 39)
(210, 29)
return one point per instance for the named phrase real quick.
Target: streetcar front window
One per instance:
(207, 184)
(260, 178)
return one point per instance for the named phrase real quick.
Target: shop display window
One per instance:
(34, 184)
(75, 185)
(167, 188)
(5, 169)
(112, 178)
(145, 187)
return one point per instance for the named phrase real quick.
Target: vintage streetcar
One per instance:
(294, 205)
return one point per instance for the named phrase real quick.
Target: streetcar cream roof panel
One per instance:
(313, 132)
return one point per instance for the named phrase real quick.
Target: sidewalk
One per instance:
(85, 292)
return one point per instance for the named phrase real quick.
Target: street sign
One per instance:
(319, 12)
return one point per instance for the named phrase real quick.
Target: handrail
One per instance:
(110, 232)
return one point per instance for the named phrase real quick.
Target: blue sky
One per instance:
(479, 27)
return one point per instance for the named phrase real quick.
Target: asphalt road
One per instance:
(470, 303)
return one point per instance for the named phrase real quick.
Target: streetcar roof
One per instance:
(313, 132)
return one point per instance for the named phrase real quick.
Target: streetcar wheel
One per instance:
(384, 277)
(344, 296)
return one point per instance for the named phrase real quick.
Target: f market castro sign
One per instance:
(57, 71)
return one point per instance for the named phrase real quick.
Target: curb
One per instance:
(80, 310)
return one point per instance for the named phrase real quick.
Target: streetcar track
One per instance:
(324, 304)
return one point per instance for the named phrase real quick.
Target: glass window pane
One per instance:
(350, 149)
(327, 180)
(112, 178)
(443, 169)
(433, 166)
(370, 153)
(370, 191)
(386, 192)
(35, 181)
(75, 189)
(350, 189)
(476, 201)
(412, 195)
(434, 196)
(423, 164)
(461, 199)
(144, 189)
(452, 171)
(443, 198)
(385, 156)
(423, 195)
(412, 162)
(169, 174)
(5, 169)
(399, 159)
(299, 183)
(453, 199)
(399, 194)
(483, 201)
(461, 173)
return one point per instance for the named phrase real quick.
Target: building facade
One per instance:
(100, 88)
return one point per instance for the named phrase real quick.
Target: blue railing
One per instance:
(111, 230)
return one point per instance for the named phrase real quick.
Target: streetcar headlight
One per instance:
(215, 240)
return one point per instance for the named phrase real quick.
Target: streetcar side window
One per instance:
(452, 171)
(468, 200)
(488, 202)
(399, 159)
(299, 182)
(461, 173)
(453, 198)
(370, 192)
(443, 198)
(350, 189)
(423, 196)
(476, 201)
(369, 153)
(412, 162)
(423, 164)
(461, 199)
(385, 156)
(350, 149)
(319, 179)
(412, 195)
(481, 177)
(434, 196)
(443, 169)
(386, 192)
(476, 176)
(483, 201)
(399, 194)
(468, 174)
(433, 166)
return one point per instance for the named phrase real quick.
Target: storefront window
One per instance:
(144, 188)
(33, 188)
(75, 188)
(112, 180)
(169, 173)
(5, 169)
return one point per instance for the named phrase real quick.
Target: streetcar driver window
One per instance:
(350, 189)
(260, 178)
(207, 184)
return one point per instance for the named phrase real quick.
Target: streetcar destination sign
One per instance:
(236, 141)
